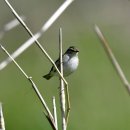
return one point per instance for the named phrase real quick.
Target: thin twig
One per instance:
(34, 88)
(113, 59)
(10, 25)
(2, 122)
(54, 112)
(62, 90)
(37, 35)
(68, 104)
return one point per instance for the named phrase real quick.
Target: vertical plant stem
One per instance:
(54, 112)
(68, 104)
(62, 90)
(2, 123)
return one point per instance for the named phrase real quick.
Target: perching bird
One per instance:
(70, 63)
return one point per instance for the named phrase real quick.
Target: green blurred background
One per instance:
(99, 101)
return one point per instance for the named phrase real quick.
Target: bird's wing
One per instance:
(57, 64)
(65, 59)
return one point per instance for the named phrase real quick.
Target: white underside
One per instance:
(70, 65)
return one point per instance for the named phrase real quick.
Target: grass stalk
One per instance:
(112, 58)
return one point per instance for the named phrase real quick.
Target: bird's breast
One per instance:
(71, 65)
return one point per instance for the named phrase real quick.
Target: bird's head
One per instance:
(72, 50)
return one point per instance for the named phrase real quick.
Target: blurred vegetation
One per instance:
(99, 100)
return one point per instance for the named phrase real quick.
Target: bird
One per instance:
(70, 63)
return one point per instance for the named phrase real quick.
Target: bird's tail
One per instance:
(47, 76)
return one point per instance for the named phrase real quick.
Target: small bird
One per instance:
(70, 63)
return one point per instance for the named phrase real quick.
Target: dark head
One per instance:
(72, 50)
